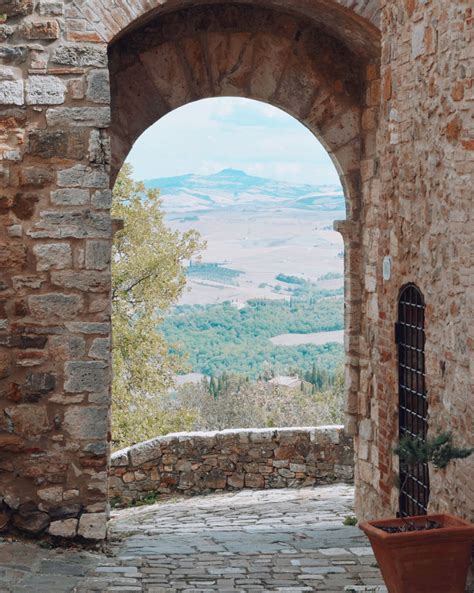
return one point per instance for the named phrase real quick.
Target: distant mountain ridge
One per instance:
(232, 188)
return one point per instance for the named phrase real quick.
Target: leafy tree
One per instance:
(148, 277)
(260, 404)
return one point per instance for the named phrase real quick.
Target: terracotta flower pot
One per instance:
(429, 561)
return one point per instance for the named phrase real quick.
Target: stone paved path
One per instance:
(279, 540)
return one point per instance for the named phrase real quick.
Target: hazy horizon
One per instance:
(207, 136)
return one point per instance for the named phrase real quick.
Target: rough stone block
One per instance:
(48, 144)
(146, 452)
(88, 328)
(78, 116)
(36, 177)
(39, 383)
(47, 30)
(86, 376)
(102, 199)
(66, 528)
(31, 523)
(86, 422)
(100, 349)
(28, 420)
(5, 32)
(51, 494)
(11, 92)
(87, 281)
(79, 225)
(98, 255)
(81, 55)
(99, 148)
(82, 176)
(93, 526)
(98, 86)
(14, 8)
(13, 55)
(55, 305)
(53, 256)
(70, 197)
(45, 90)
(51, 8)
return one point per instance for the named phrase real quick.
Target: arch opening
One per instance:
(264, 290)
(286, 60)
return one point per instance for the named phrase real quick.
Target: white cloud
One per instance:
(207, 136)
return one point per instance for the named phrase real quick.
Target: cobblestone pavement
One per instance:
(279, 540)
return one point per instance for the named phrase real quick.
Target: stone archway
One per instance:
(318, 61)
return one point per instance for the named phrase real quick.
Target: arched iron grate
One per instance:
(413, 403)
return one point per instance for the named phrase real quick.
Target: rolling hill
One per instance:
(232, 188)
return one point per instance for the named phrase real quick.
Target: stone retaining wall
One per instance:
(202, 462)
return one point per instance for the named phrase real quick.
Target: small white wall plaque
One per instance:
(387, 267)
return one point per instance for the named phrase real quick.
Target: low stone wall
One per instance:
(203, 462)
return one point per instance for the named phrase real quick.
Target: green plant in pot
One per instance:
(428, 553)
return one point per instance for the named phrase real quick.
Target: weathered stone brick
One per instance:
(102, 199)
(70, 197)
(11, 92)
(98, 255)
(89, 281)
(48, 30)
(86, 422)
(28, 420)
(82, 176)
(99, 148)
(93, 526)
(79, 225)
(55, 305)
(13, 55)
(39, 383)
(47, 144)
(80, 55)
(100, 349)
(86, 376)
(77, 116)
(51, 8)
(37, 176)
(53, 256)
(14, 8)
(32, 523)
(5, 32)
(66, 528)
(98, 86)
(45, 90)
(81, 327)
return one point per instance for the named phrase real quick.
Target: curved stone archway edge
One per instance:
(356, 21)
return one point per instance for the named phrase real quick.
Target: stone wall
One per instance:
(419, 211)
(203, 462)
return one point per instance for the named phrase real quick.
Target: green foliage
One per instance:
(440, 450)
(350, 521)
(221, 338)
(213, 272)
(290, 279)
(235, 401)
(148, 278)
(331, 276)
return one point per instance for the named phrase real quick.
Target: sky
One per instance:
(207, 136)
